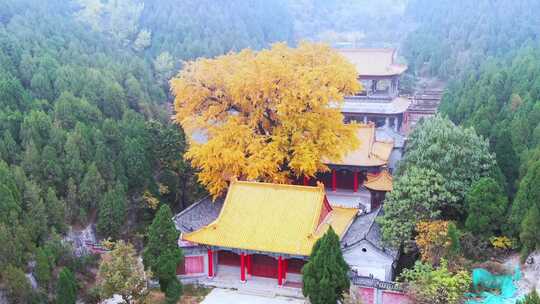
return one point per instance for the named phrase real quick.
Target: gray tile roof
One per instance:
(354, 104)
(198, 215)
(366, 228)
(386, 133)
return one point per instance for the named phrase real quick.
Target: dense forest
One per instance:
(451, 37)
(491, 53)
(84, 125)
(86, 136)
(488, 54)
(351, 23)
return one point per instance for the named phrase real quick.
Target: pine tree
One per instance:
(161, 254)
(67, 287)
(486, 205)
(91, 187)
(43, 269)
(112, 211)
(325, 274)
(527, 196)
(17, 285)
(531, 298)
(530, 236)
(74, 166)
(72, 199)
(9, 150)
(56, 211)
(173, 292)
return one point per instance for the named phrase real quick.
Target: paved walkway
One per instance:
(228, 277)
(228, 296)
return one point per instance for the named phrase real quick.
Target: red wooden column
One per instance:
(285, 266)
(280, 272)
(210, 263)
(249, 272)
(306, 180)
(334, 180)
(243, 267)
(355, 181)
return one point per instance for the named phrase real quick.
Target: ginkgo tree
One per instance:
(271, 115)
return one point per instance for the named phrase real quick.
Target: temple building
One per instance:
(379, 101)
(268, 230)
(348, 180)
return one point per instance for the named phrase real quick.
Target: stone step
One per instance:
(257, 292)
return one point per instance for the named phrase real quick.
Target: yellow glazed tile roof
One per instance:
(272, 218)
(380, 182)
(374, 62)
(370, 153)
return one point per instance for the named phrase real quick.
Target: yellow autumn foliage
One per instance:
(432, 240)
(501, 242)
(151, 201)
(269, 116)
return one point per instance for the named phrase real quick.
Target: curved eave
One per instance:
(397, 106)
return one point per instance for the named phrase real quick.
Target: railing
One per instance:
(375, 283)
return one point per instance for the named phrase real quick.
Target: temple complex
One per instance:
(268, 230)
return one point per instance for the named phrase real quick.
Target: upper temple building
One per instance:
(379, 101)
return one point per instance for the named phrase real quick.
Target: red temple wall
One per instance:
(191, 265)
(366, 295)
(389, 297)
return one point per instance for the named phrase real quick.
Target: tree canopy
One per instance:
(487, 205)
(67, 287)
(458, 154)
(427, 284)
(270, 115)
(419, 194)
(121, 273)
(161, 254)
(325, 275)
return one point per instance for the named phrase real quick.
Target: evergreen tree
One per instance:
(161, 253)
(173, 292)
(50, 166)
(17, 285)
(486, 205)
(530, 236)
(73, 163)
(325, 274)
(92, 186)
(527, 196)
(9, 151)
(507, 158)
(43, 269)
(136, 163)
(112, 211)
(55, 211)
(36, 220)
(531, 298)
(66, 292)
(72, 199)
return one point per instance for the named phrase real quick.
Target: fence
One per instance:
(375, 283)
